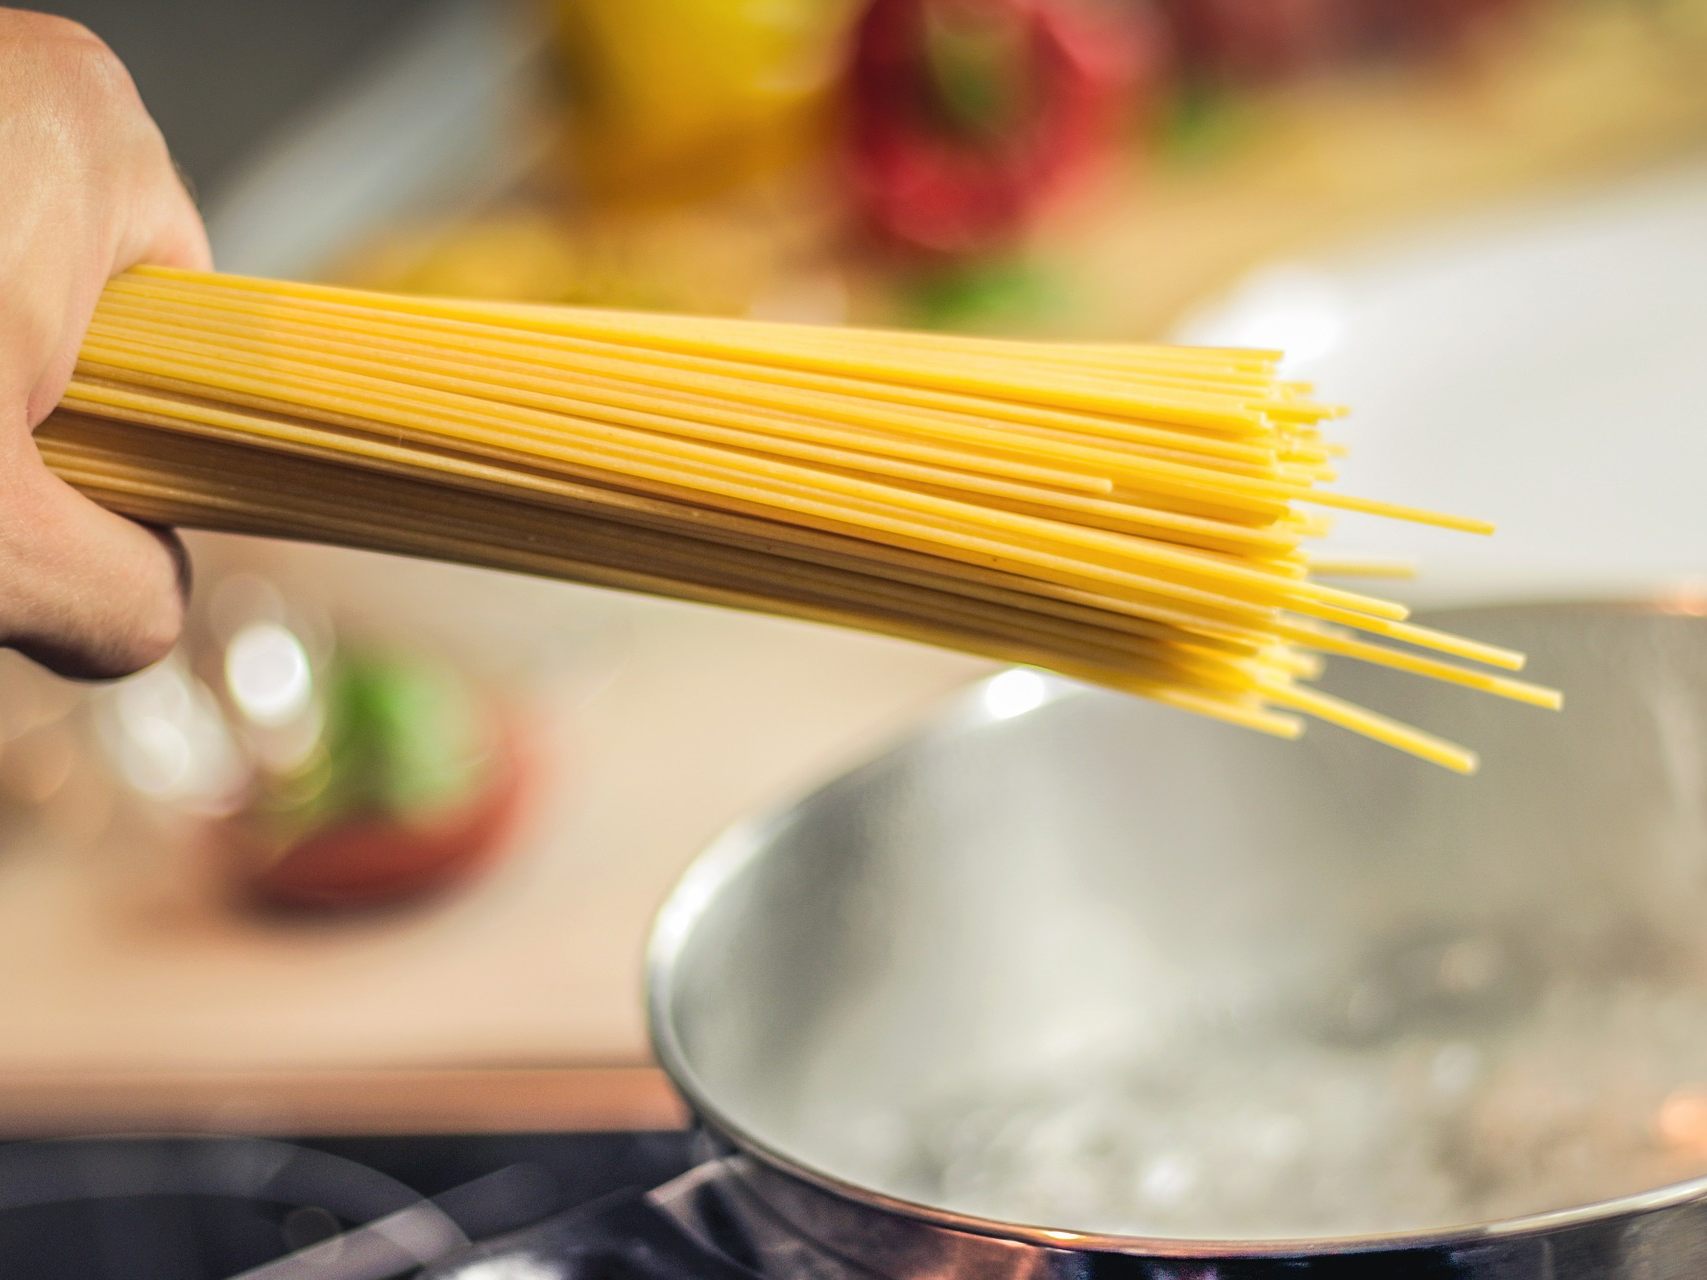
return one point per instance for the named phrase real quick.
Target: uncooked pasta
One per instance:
(1131, 515)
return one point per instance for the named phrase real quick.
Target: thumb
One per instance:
(82, 591)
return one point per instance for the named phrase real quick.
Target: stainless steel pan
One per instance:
(1054, 895)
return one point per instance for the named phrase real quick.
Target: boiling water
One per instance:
(1452, 1082)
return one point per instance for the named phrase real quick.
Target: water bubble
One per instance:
(1167, 1179)
(1454, 1068)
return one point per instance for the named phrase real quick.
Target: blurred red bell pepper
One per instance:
(966, 117)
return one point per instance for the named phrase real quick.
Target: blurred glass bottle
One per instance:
(328, 758)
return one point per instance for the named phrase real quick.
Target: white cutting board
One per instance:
(1542, 367)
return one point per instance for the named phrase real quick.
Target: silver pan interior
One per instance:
(1014, 968)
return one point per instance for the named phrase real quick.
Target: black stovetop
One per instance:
(189, 1208)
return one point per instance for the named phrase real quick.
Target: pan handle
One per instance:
(623, 1236)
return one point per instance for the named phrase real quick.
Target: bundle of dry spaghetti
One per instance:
(1129, 515)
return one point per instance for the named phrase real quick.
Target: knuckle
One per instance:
(84, 108)
(62, 37)
(49, 27)
(83, 63)
(97, 70)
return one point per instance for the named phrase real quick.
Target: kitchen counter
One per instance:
(126, 967)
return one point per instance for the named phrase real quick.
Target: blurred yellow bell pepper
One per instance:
(676, 98)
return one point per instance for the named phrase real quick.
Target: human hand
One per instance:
(86, 189)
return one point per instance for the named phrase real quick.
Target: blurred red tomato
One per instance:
(966, 117)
